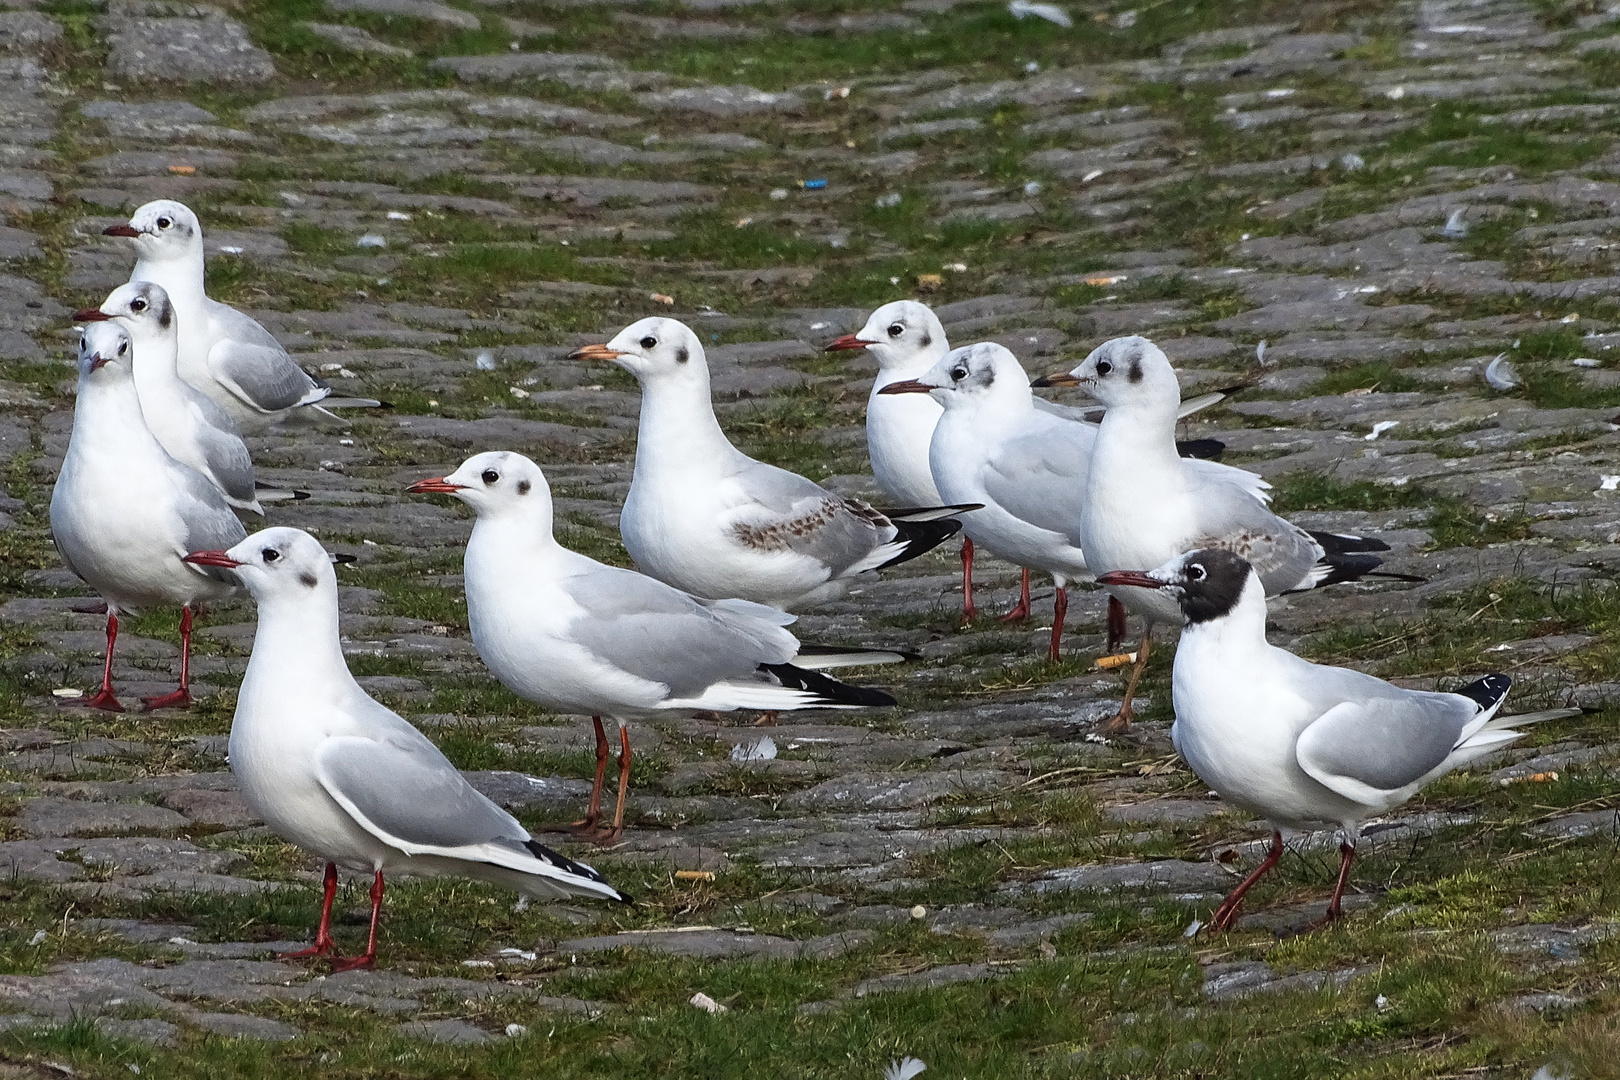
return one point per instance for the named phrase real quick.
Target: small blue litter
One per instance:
(815, 185)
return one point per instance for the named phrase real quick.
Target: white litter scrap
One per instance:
(38, 938)
(888, 200)
(1500, 374)
(707, 1003)
(1260, 354)
(1586, 362)
(1379, 428)
(1608, 482)
(1050, 12)
(372, 240)
(1352, 161)
(1455, 227)
(485, 360)
(903, 1069)
(763, 750)
(398, 215)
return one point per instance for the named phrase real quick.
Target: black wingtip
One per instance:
(1204, 449)
(921, 537)
(1390, 575)
(830, 690)
(299, 496)
(1487, 692)
(564, 863)
(1347, 544)
(343, 558)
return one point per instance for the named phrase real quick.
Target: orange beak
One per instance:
(434, 485)
(211, 558)
(848, 341)
(1130, 577)
(595, 352)
(1057, 378)
(908, 386)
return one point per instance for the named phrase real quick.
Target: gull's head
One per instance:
(1208, 583)
(141, 307)
(968, 377)
(1123, 371)
(276, 564)
(904, 335)
(651, 349)
(104, 347)
(496, 482)
(162, 230)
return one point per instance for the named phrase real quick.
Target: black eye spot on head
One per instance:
(649, 342)
(307, 580)
(270, 555)
(523, 487)
(1134, 358)
(165, 316)
(490, 476)
(927, 340)
(137, 304)
(896, 329)
(164, 223)
(1104, 367)
(681, 355)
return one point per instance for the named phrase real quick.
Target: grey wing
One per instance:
(1366, 750)
(661, 634)
(210, 523)
(1230, 516)
(222, 447)
(1041, 478)
(406, 793)
(788, 512)
(264, 378)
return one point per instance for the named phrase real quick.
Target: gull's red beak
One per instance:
(595, 352)
(97, 361)
(1130, 577)
(211, 558)
(90, 314)
(1057, 378)
(121, 230)
(848, 341)
(434, 485)
(907, 386)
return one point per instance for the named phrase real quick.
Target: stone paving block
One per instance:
(216, 49)
(74, 817)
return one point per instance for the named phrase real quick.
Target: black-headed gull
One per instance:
(708, 519)
(345, 778)
(189, 424)
(1298, 744)
(124, 513)
(1144, 504)
(579, 636)
(222, 352)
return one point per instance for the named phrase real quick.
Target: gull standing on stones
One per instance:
(706, 518)
(348, 779)
(1300, 744)
(579, 636)
(124, 513)
(908, 339)
(1144, 505)
(222, 352)
(189, 424)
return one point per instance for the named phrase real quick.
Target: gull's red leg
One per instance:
(181, 698)
(593, 813)
(969, 612)
(369, 958)
(104, 698)
(1116, 624)
(323, 934)
(1021, 612)
(1060, 611)
(1121, 721)
(612, 835)
(1227, 914)
(1347, 855)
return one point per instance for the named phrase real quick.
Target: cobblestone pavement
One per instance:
(1354, 207)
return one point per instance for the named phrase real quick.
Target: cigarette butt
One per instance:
(1109, 663)
(661, 298)
(183, 170)
(694, 875)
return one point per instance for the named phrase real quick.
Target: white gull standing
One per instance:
(1298, 744)
(345, 778)
(222, 352)
(124, 513)
(576, 635)
(188, 423)
(1144, 504)
(706, 518)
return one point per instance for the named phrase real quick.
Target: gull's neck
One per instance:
(919, 364)
(157, 359)
(107, 409)
(180, 276)
(503, 544)
(678, 432)
(1135, 440)
(1243, 629)
(297, 655)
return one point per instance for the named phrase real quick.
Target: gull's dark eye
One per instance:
(270, 554)
(1195, 572)
(896, 329)
(137, 305)
(490, 476)
(164, 223)
(958, 374)
(649, 342)
(1104, 367)
(124, 348)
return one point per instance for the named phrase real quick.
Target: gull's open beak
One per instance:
(434, 485)
(908, 386)
(97, 360)
(1130, 577)
(211, 558)
(848, 341)
(1057, 378)
(91, 314)
(121, 230)
(595, 352)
